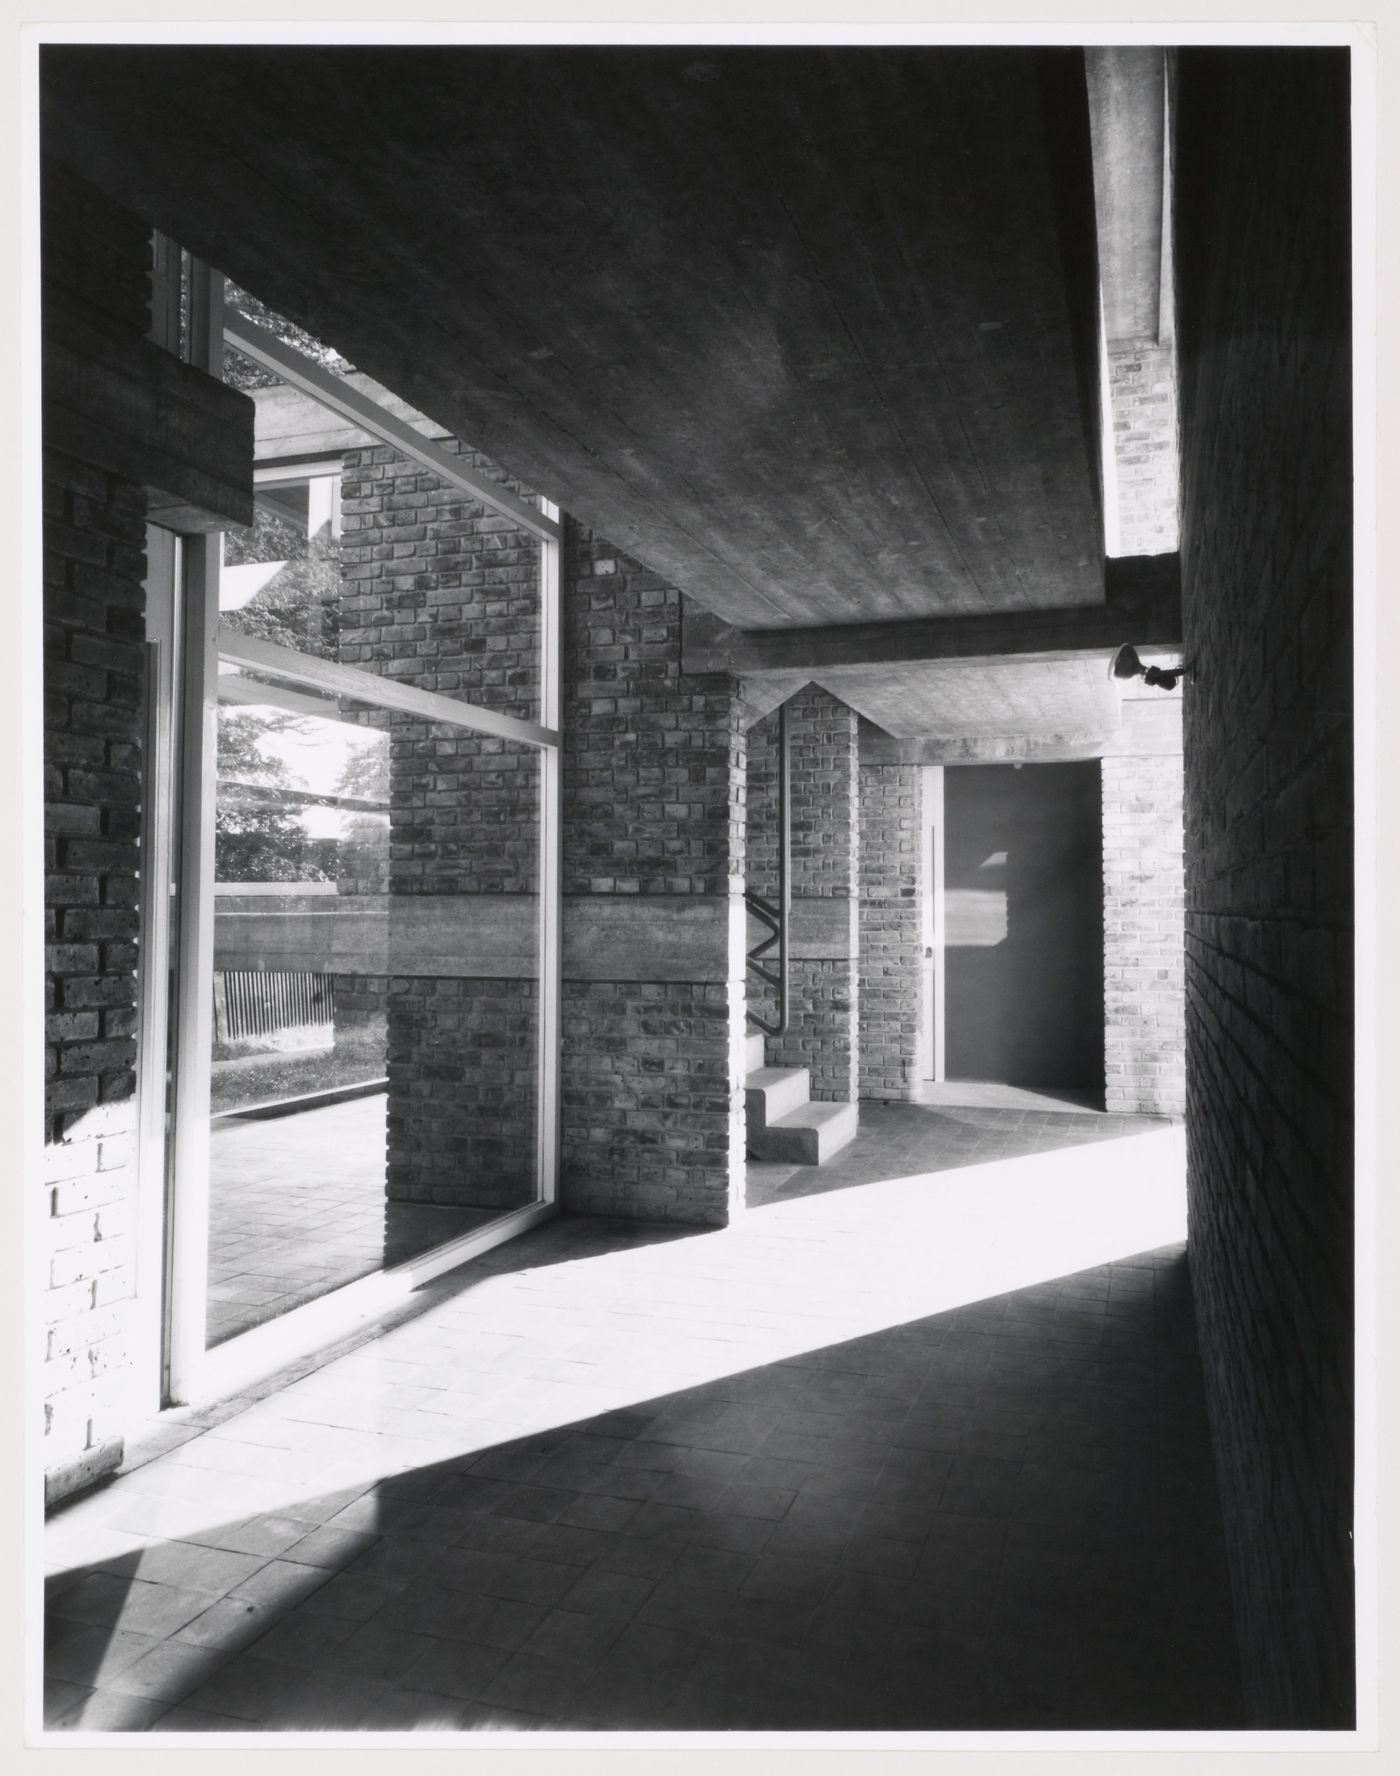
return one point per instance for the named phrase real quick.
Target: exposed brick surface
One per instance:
(652, 1110)
(463, 1067)
(823, 992)
(653, 786)
(1144, 1011)
(1262, 256)
(892, 872)
(1142, 383)
(95, 281)
(439, 592)
(653, 804)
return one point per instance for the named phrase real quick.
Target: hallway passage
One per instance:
(924, 1452)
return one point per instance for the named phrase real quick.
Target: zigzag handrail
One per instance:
(775, 915)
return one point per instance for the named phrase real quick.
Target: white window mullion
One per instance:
(372, 687)
(551, 862)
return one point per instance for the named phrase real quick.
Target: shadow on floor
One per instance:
(999, 1516)
(898, 1139)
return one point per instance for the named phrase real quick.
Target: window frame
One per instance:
(194, 1373)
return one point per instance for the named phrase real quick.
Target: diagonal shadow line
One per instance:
(951, 1138)
(986, 1518)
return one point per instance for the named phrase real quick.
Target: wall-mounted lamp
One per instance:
(1125, 664)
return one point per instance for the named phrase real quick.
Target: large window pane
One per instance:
(376, 1027)
(281, 575)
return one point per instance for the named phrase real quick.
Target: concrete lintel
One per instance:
(1142, 606)
(294, 428)
(823, 928)
(623, 937)
(653, 937)
(489, 936)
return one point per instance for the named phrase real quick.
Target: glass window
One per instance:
(377, 1032)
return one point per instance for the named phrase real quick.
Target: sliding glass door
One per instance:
(366, 1027)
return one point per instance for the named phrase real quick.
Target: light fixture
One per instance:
(1125, 664)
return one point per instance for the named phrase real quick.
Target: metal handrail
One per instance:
(776, 916)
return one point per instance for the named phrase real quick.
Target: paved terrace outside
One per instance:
(926, 1451)
(297, 1208)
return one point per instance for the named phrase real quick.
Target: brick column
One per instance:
(95, 284)
(441, 593)
(823, 966)
(1143, 937)
(653, 1007)
(892, 872)
(1142, 387)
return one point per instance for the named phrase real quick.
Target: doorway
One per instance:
(1023, 926)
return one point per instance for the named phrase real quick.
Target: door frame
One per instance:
(932, 935)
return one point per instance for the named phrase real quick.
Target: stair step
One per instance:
(753, 1051)
(772, 1092)
(809, 1135)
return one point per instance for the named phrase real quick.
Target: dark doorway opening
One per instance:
(1023, 882)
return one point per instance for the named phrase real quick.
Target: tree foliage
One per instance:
(258, 840)
(243, 373)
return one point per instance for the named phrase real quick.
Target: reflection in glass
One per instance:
(241, 372)
(280, 578)
(375, 992)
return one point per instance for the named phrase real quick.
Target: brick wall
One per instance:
(95, 277)
(1142, 385)
(1144, 1010)
(823, 1032)
(653, 806)
(892, 872)
(1262, 254)
(439, 592)
(653, 791)
(652, 1126)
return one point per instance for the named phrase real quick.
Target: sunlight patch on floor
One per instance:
(561, 1339)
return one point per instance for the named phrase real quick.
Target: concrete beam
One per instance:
(1147, 728)
(1127, 127)
(1142, 606)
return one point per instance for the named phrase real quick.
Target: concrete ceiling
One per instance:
(981, 699)
(811, 332)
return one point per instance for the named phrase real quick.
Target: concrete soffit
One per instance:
(1025, 684)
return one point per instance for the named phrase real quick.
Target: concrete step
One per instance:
(809, 1135)
(772, 1092)
(753, 1051)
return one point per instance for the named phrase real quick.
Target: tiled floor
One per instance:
(923, 1451)
(297, 1209)
(991, 1094)
(962, 1126)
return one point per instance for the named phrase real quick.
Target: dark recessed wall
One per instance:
(1262, 255)
(1023, 879)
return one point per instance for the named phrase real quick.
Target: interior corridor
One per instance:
(927, 1451)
